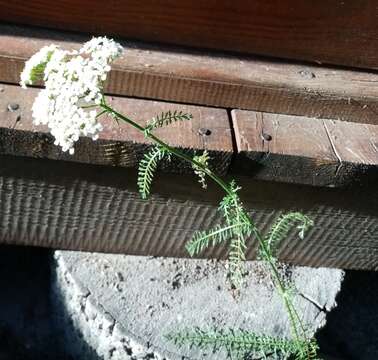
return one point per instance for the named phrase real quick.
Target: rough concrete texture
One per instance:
(120, 307)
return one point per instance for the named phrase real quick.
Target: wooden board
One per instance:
(118, 145)
(303, 150)
(67, 205)
(339, 32)
(214, 79)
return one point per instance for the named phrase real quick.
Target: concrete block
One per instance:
(120, 307)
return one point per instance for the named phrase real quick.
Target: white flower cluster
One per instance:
(73, 88)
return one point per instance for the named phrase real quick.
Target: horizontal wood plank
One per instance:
(303, 150)
(67, 205)
(214, 79)
(118, 145)
(271, 147)
(339, 32)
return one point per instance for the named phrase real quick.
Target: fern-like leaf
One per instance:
(281, 228)
(146, 170)
(237, 230)
(231, 203)
(203, 239)
(204, 160)
(309, 351)
(233, 211)
(236, 258)
(240, 344)
(166, 118)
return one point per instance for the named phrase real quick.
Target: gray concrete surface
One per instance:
(120, 307)
(28, 332)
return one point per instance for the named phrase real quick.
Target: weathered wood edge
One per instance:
(301, 150)
(213, 79)
(66, 205)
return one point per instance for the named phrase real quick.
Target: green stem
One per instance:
(172, 150)
(88, 106)
(293, 314)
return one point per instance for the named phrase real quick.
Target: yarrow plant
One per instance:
(72, 103)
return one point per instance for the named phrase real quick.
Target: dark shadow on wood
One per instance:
(66, 205)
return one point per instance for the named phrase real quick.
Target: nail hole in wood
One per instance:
(266, 137)
(204, 132)
(13, 107)
(307, 74)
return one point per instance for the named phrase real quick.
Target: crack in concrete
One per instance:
(314, 302)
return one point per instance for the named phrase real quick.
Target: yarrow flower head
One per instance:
(73, 88)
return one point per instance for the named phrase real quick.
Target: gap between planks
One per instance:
(173, 74)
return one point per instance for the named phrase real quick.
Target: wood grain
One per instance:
(303, 150)
(338, 32)
(118, 145)
(214, 79)
(67, 205)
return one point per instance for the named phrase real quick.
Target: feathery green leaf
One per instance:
(203, 239)
(231, 203)
(147, 167)
(204, 160)
(281, 228)
(166, 118)
(233, 211)
(241, 343)
(236, 230)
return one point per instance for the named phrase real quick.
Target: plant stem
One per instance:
(172, 150)
(293, 314)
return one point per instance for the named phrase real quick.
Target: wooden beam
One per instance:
(214, 79)
(302, 150)
(67, 205)
(339, 32)
(117, 146)
(295, 149)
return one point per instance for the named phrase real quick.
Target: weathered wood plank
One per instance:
(67, 205)
(357, 144)
(214, 79)
(302, 150)
(118, 145)
(339, 32)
